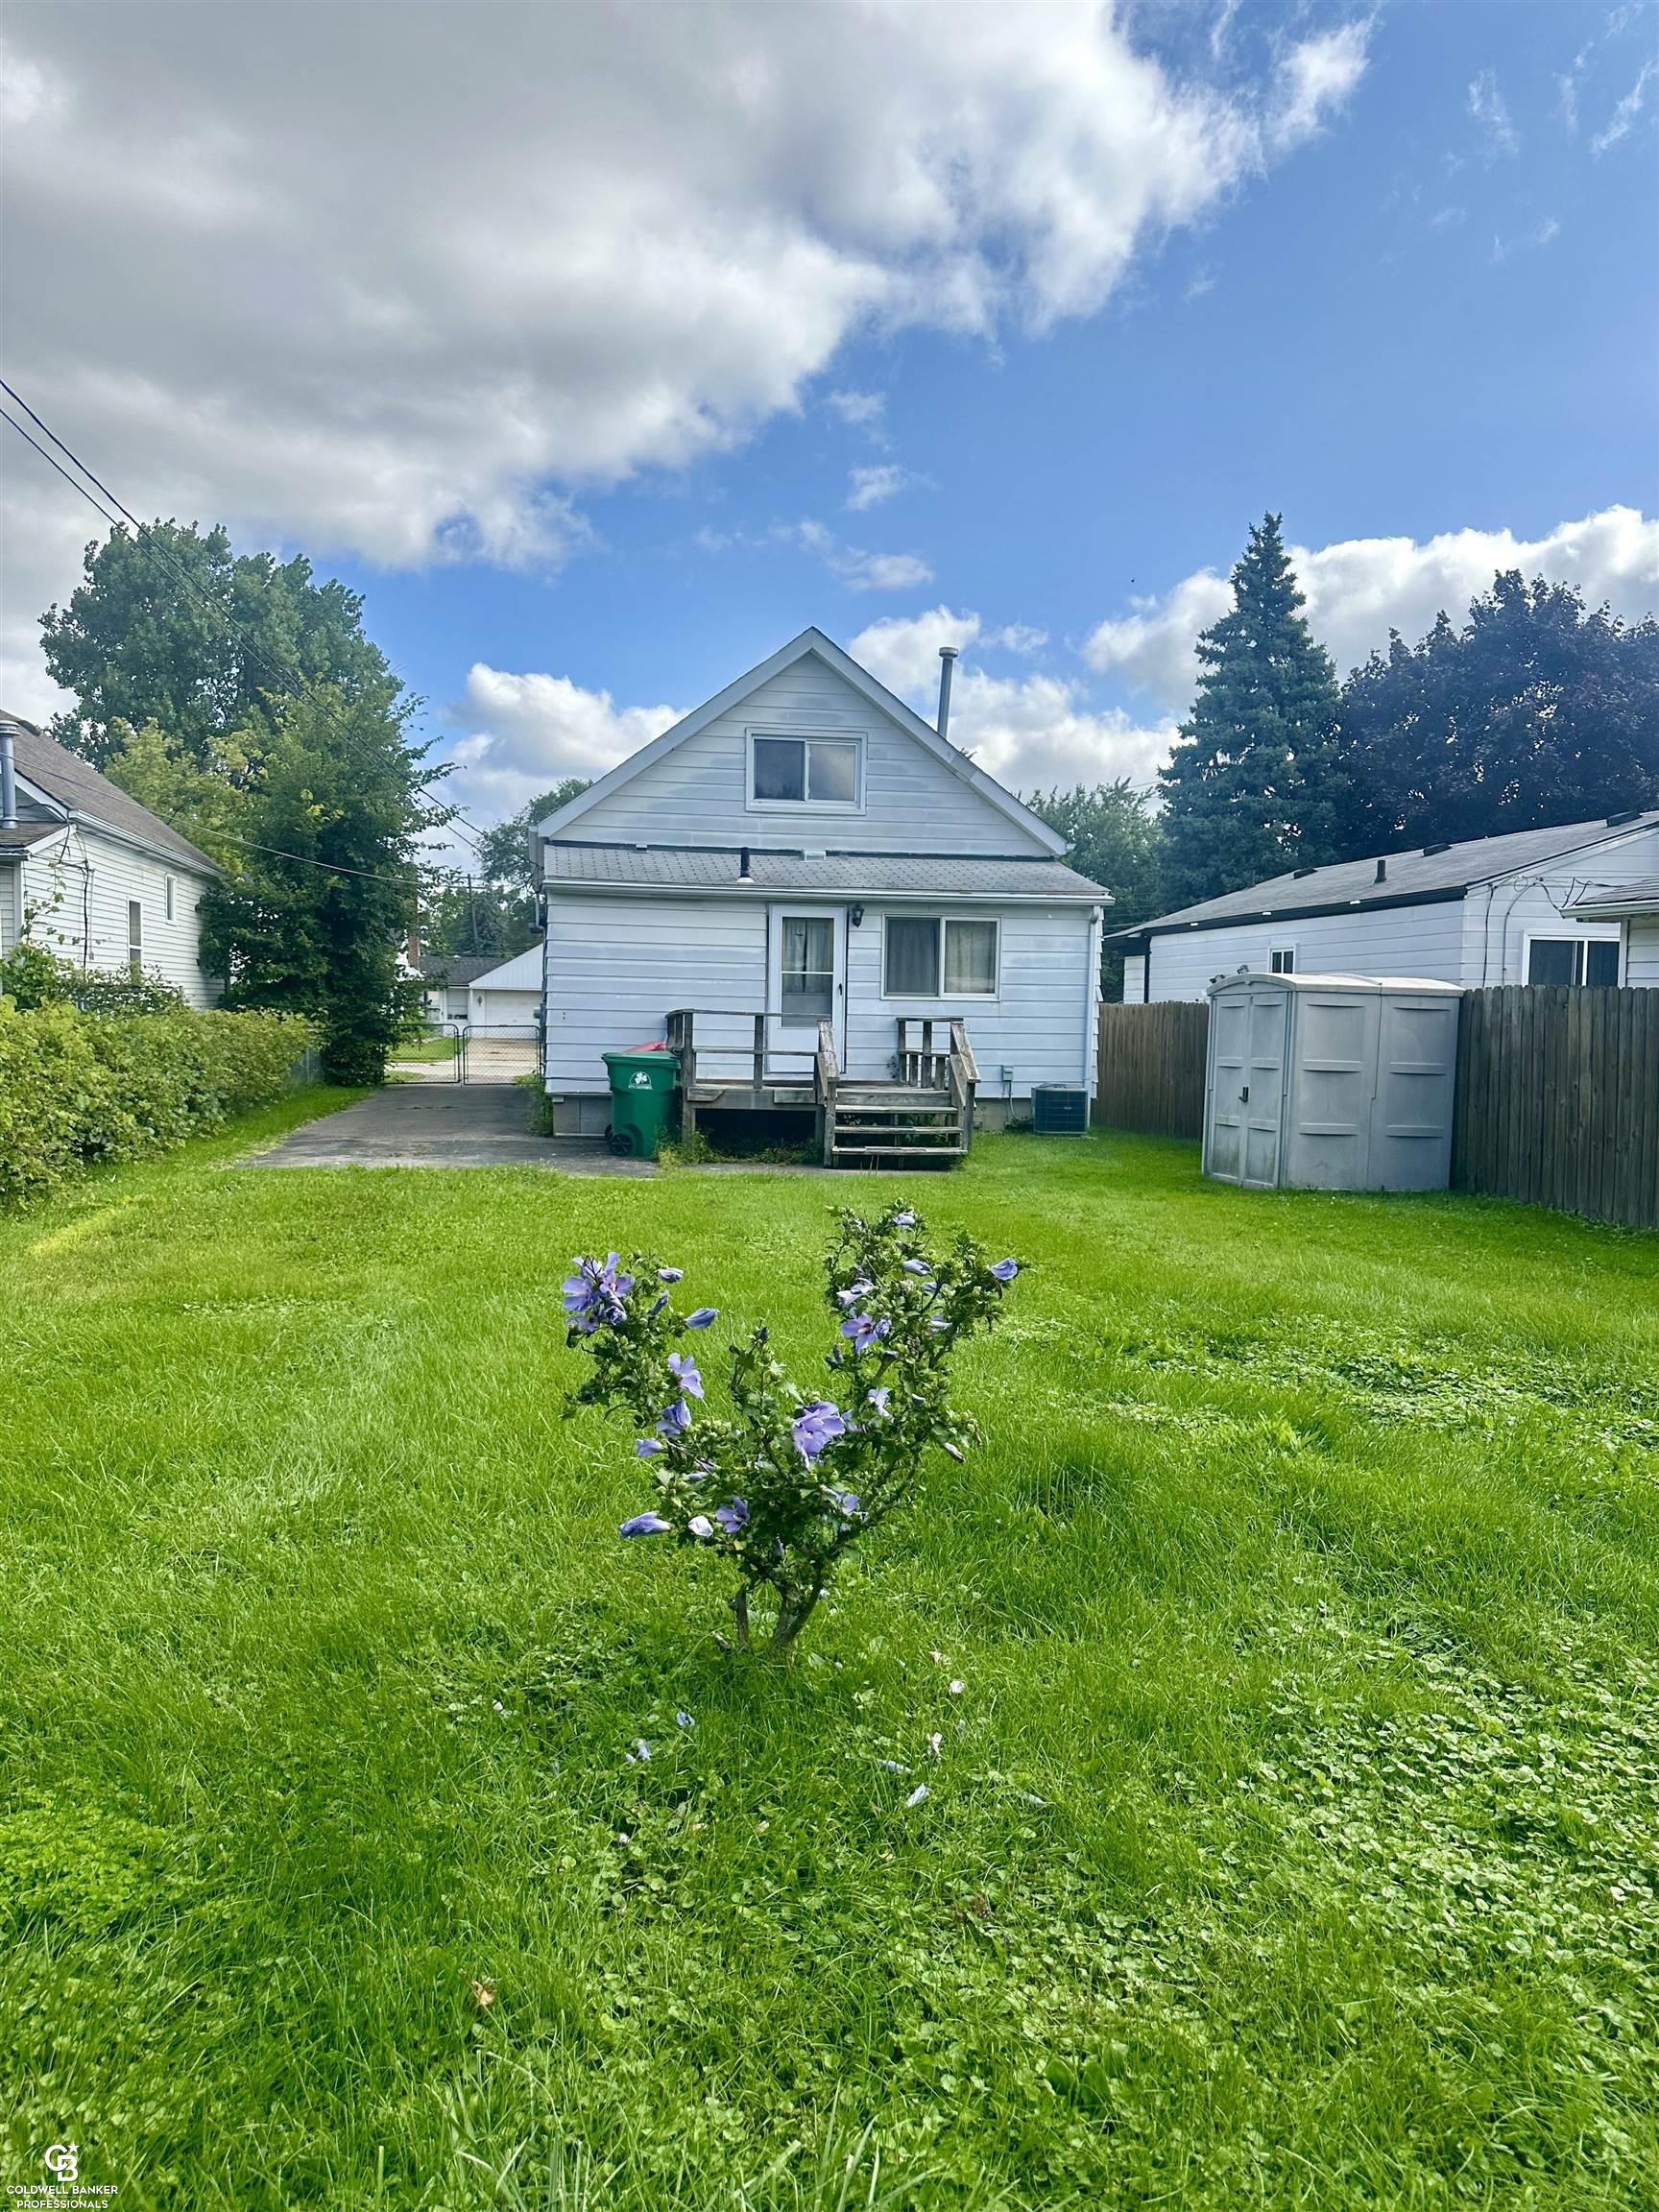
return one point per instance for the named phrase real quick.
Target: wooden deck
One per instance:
(926, 1109)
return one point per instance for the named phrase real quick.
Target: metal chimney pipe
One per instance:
(743, 876)
(1381, 871)
(7, 779)
(946, 661)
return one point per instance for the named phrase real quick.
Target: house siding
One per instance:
(1418, 941)
(1642, 952)
(1040, 1025)
(697, 794)
(75, 891)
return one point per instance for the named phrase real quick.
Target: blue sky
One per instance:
(1415, 306)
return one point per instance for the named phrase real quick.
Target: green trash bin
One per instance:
(642, 1087)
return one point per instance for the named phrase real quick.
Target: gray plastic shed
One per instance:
(1331, 1082)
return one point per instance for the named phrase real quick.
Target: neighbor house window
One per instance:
(808, 967)
(934, 957)
(167, 899)
(1282, 960)
(805, 772)
(1592, 961)
(135, 937)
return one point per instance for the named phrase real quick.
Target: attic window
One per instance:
(804, 772)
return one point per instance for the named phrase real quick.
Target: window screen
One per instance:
(169, 899)
(808, 977)
(1602, 964)
(970, 958)
(134, 935)
(912, 958)
(832, 774)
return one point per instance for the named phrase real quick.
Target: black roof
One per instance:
(459, 968)
(1423, 872)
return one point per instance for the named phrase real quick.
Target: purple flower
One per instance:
(670, 1274)
(905, 1220)
(647, 1447)
(865, 1330)
(845, 1503)
(644, 1524)
(733, 1515)
(701, 1527)
(1005, 1270)
(937, 1321)
(703, 1316)
(676, 1418)
(879, 1398)
(915, 1266)
(593, 1296)
(640, 1754)
(684, 1369)
(816, 1426)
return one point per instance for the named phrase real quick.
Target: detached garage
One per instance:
(1331, 1082)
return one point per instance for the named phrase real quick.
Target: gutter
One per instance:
(774, 893)
(1140, 935)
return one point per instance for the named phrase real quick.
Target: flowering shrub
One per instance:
(786, 1483)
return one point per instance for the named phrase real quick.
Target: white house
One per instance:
(1635, 906)
(92, 876)
(447, 978)
(509, 993)
(1520, 908)
(834, 895)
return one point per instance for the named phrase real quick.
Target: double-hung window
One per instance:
(939, 956)
(1590, 961)
(804, 772)
(135, 939)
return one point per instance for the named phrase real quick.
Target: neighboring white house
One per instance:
(447, 978)
(806, 848)
(1635, 904)
(92, 876)
(1509, 910)
(509, 994)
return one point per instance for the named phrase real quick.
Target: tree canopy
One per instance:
(172, 626)
(504, 851)
(1536, 711)
(1117, 840)
(1254, 785)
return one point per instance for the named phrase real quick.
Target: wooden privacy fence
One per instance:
(1558, 1099)
(1151, 1074)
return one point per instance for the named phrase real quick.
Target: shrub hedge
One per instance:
(76, 1087)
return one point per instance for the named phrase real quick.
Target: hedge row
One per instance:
(78, 1088)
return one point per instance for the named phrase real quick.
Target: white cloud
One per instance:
(873, 485)
(1490, 110)
(858, 569)
(1623, 120)
(528, 732)
(1546, 234)
(1360, 589)
(401, 283)
(1029, 732)
(863, 410)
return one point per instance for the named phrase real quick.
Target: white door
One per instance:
(1246, 1087)
(809, 981)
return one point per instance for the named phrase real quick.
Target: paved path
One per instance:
(430, 1125)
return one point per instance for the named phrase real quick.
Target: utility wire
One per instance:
(186, 583)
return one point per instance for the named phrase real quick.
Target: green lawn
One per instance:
(1294, 1839)
(442, 1044)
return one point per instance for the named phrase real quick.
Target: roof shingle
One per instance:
(77, 786)
(663, 868)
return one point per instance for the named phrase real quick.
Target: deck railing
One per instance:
(719, 1045)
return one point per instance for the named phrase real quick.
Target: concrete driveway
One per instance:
(449, 1125)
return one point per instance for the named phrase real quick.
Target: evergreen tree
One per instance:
(1255, 786)
(1535, 712)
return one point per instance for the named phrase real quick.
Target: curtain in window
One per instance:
(970, 958)
(912, 956)
(809, 972)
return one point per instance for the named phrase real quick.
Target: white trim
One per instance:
(809, 642)
(862, 895)
(978, 998)
(856, 738)
(1275, 947)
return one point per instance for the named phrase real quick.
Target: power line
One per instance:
(187, 583)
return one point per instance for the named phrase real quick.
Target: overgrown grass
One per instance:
(1291, 1840)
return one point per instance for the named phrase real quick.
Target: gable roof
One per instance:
(456, 968)
(871, 875)
(885, 702)
(64, 779)
(1422, 874)
(521, 973)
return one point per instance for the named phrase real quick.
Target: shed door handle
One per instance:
(1244, 1095)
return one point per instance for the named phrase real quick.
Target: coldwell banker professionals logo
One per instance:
(63, 2162)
